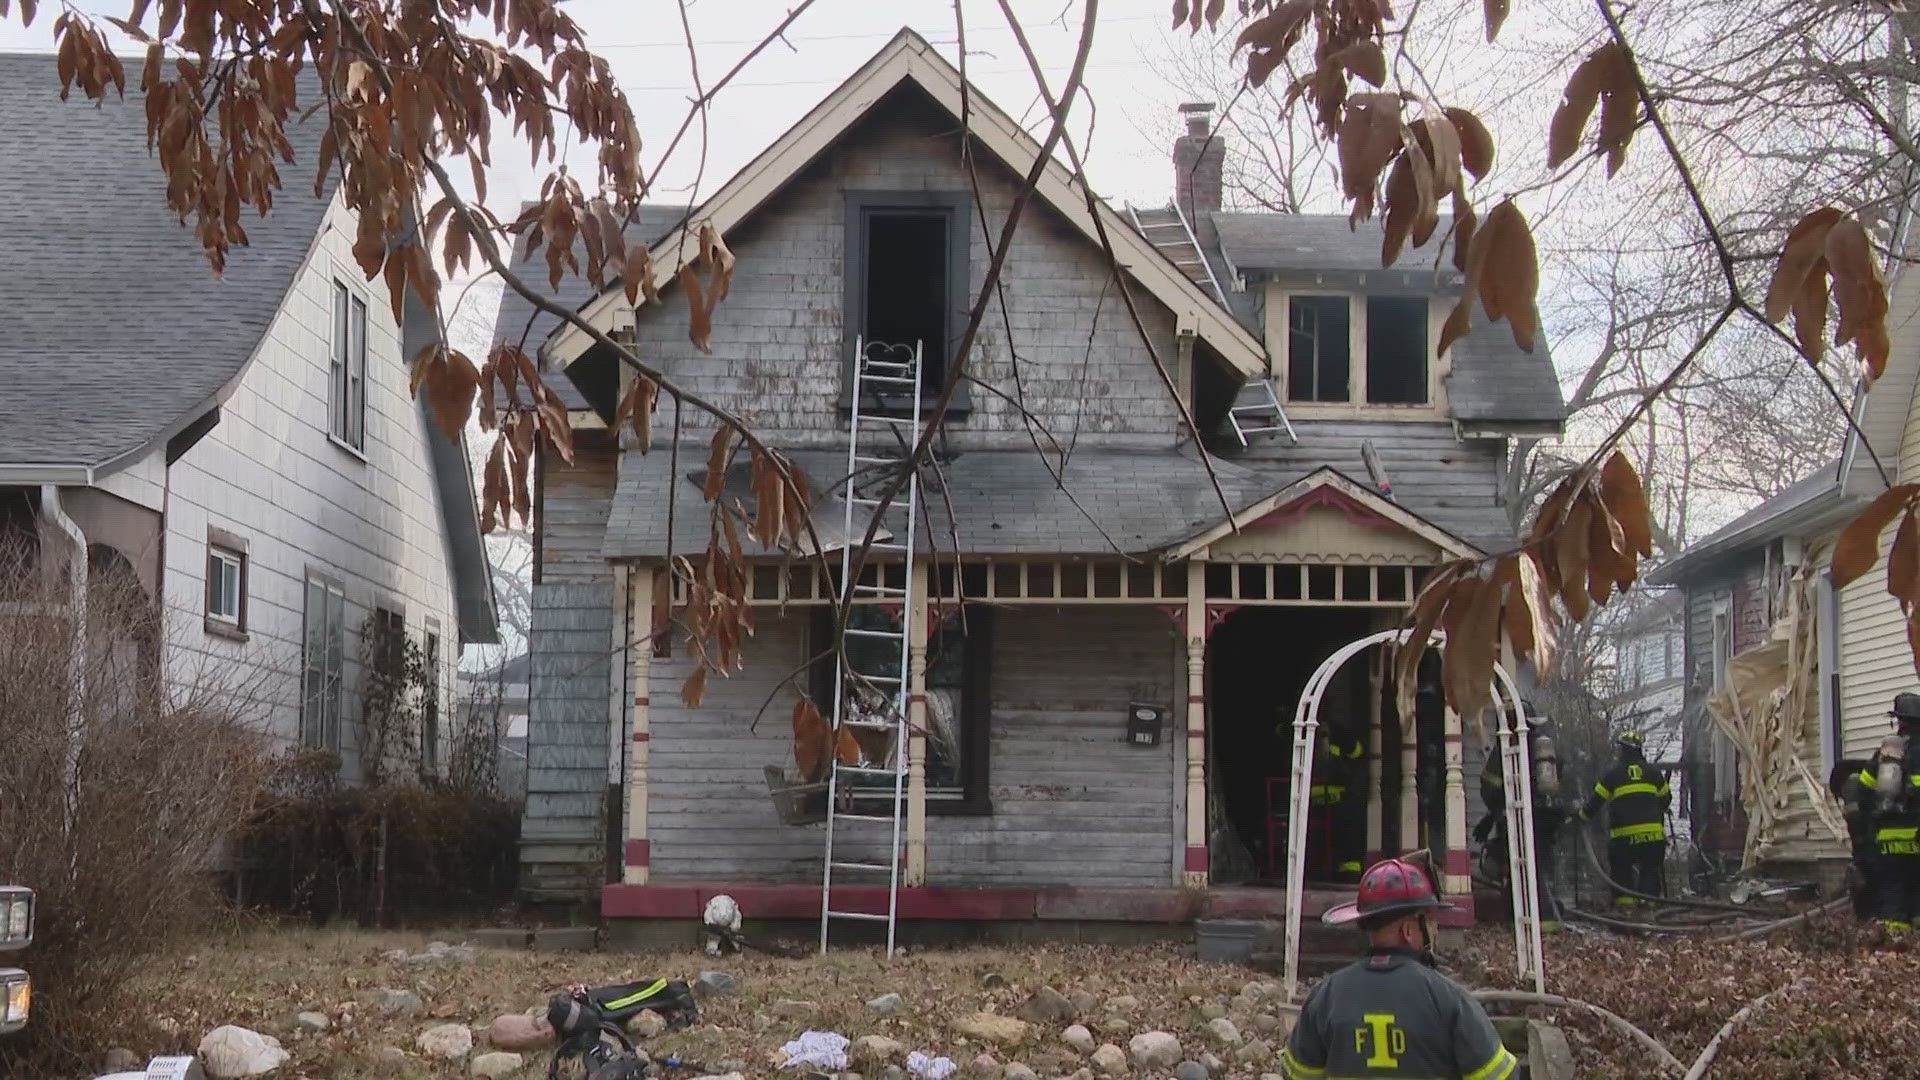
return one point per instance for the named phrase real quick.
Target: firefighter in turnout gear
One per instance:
(1549, 812)
(1391, 1013)
(1340, 794)
(1889, 792)
(1636, 796)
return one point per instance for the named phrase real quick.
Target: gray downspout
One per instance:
(77, 661)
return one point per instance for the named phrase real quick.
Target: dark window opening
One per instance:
(907, 270)
(1318, 349)
(959, 659)
(1397, 350)
(906, 288)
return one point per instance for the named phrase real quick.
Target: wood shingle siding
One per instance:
(563, 835)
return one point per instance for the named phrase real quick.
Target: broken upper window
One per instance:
(1397, 350)
(906, 283)
(1318, 349)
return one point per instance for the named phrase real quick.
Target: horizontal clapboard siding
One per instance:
(563, 827)
(574, 501)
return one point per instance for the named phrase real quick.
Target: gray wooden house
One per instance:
(1055, 605)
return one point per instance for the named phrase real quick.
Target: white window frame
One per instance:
(323, 666)
(231, 567)
(1726, 772)
(433, 710)
(1827, 635)
(347, 370)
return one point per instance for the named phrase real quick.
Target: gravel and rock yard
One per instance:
(394, 1006)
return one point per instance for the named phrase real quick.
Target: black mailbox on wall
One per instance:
(1144, 723)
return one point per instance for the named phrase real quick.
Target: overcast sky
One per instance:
(1128, 155)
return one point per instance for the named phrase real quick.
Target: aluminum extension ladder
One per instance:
(881, 372)
(1257, 410)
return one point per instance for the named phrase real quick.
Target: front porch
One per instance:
(1041, 806)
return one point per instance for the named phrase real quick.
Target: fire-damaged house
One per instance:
(1102, 660)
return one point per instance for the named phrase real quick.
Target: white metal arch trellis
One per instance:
(1516, 762)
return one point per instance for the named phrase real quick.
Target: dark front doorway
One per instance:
(1258, 663)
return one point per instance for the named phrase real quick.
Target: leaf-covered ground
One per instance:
(1857, 1016)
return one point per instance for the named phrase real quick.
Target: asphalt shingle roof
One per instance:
(1006, 501)
(1492, 382)
(519, 317)
(114, 331)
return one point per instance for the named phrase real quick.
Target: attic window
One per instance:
(1397, 350)
(1319, 364)
(906, 286)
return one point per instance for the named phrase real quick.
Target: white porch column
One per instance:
(1193, 861)
(916, 868)
(638, 653)
(1376, 740)
(1456, 874)
(1409, 783)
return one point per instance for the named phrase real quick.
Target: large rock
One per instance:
(887, 1004)
(1116, 1025)
(447, 1042)
(1048, 1006)
(1155, 1050)
(985, 1065)
(1125, 1003)
(1083, 1002)
(1223, 1032)
(313, 1021)
(789, 1009)
(647, 1024)
(1190, 1070)
(515, 1031)
(716, 983)
(230, 1051)
(876, 1050)
(1256, 1052)
(395, 1004)
(1109, 1060)
(1212, 1010)
(989, 1028)
(1079, 1038)
(1016, 1071)
(496, 1065)
(1269, 1025)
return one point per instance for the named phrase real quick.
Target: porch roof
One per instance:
(997, 502)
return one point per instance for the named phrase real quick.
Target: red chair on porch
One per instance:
(1319, 841)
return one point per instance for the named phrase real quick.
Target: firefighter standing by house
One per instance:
(1636, 796)
(1844, 783)
(1889, 806)
(1391, 1013)
(1339, 796)
(1548, 812)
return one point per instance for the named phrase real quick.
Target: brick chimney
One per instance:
(1199, 161)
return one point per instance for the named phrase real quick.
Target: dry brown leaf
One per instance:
(1402, 200)
(699, 310)
(1428, 609)
(1363, 59)
(1279, 29)
(1510, 280)
(1858, 548)
(1903, 563)
(1369, 136)
(1568, 549)
(694, 689)
(636, 411)
(1476, 144)
(1805, 247)
(1445, 151)
(1626, 498)
(1464, 223)
(1577, 102)
(1619, 106)
(1496, 11)
(1860, 294)
(719, 453)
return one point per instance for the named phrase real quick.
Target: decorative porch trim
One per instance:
(638, 653)
(1329, 486)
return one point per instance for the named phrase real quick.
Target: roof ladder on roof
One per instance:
(873, 697)
(1257, 411)
(1169, 231)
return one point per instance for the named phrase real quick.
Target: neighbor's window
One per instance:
(348, 392)
(1397, 350)
(906, 284)
(325, 651)
(430, 699)
(1318, 349)
(226, 587)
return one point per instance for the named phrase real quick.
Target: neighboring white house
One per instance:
(244, 446)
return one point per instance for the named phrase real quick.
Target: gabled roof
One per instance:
(909, 58)
(114, 332)
(1493, 386)
(1809, 504)
(1327, 484)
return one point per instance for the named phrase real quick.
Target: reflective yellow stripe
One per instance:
(1499, 1068)
(1867, 779)
(1650, 831)
(1603, 791)
(1295, 1069)
(1641, 788)
(638, 997)
(1898, 832)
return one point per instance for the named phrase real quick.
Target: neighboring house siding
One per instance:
(269, 474)
(574, 500)
(777, 340)
(1876, 661)
(562, 837)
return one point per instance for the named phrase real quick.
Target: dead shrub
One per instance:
(116, 792)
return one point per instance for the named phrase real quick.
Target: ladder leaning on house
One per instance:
(1256, 410)
(883, 374)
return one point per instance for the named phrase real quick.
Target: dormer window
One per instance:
(1321, 342)
(907, 282)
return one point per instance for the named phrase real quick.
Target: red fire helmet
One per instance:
(1389, 889)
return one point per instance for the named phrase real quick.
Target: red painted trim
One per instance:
(1176, 612)
(916, 699)
(1216, 614)
(1196, 860)
(642, 701)
(1281, 516)
(638, 851)
(640, 736)
(1196, 733)
(1457, 863)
